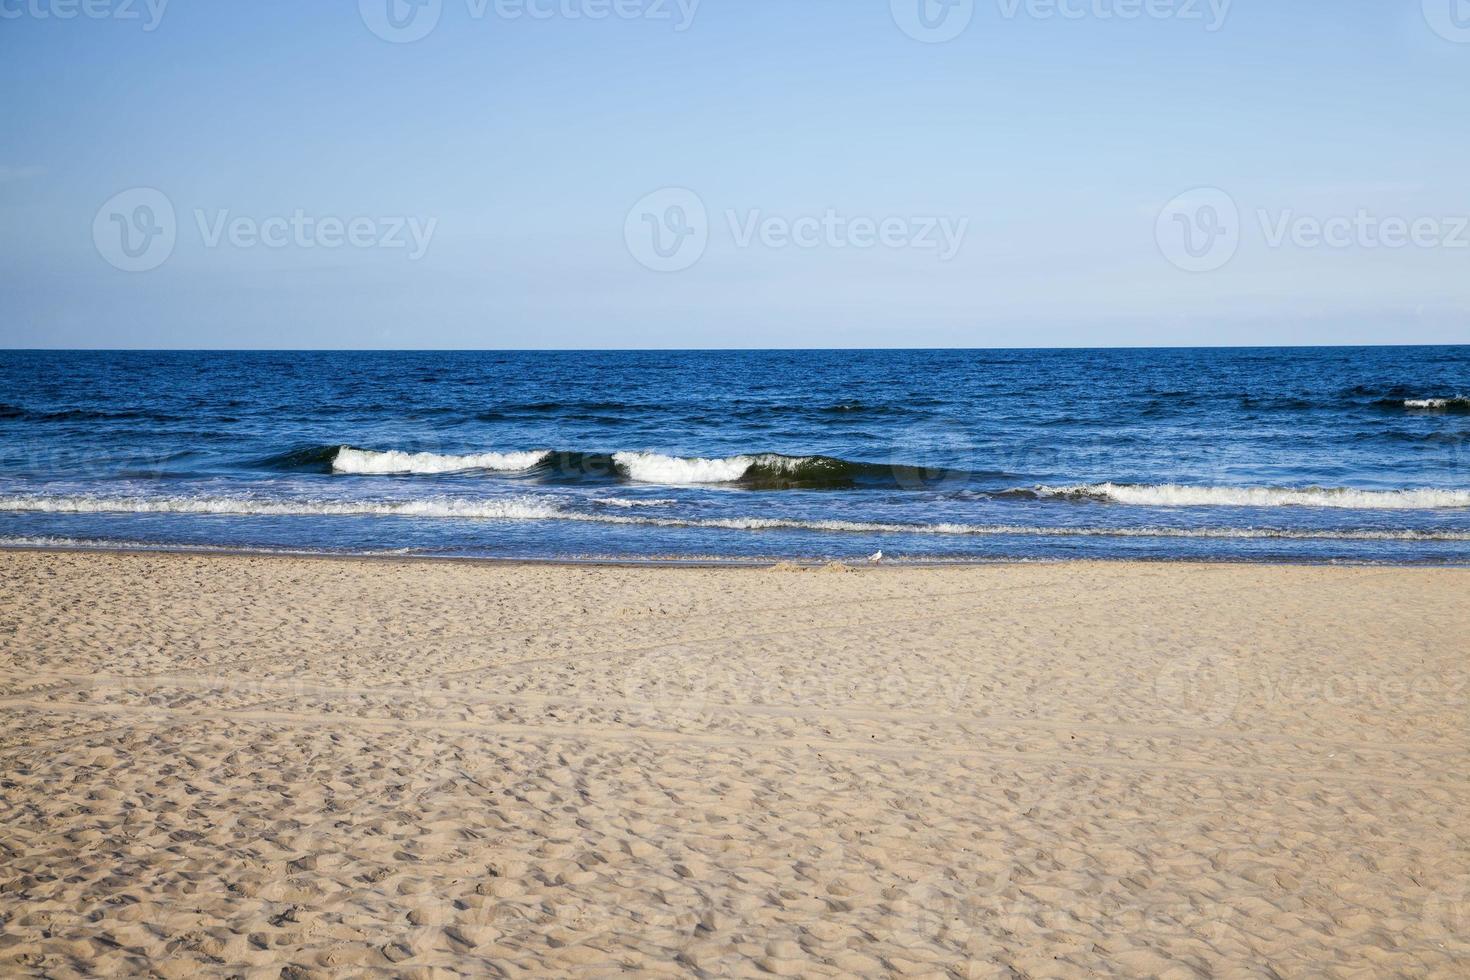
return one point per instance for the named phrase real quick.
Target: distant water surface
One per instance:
(1341, 454)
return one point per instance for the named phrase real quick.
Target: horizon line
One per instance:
(690, 350)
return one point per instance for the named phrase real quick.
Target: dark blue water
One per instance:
(1358, 454)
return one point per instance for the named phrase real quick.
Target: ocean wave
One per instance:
(1177, 495)
(1457, 404)
(685, 471)
(531, 508)
(368, 462)
(626, 503)
(522, 508)
(774, 471)
(754, 471)
(674, 470)
(301, 459)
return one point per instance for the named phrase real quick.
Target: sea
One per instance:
(1354, 455)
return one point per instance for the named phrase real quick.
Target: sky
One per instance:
(733, 173)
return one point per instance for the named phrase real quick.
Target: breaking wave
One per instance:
(367, 462)
(1176, 495)
(1457, 405)
(765, 469)
(773, 471)
(755, 471)
(531, 508)
(653, 468)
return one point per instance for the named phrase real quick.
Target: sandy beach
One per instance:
(266, 766)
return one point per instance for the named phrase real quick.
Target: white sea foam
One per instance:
(682, 471)
(1176, 495)
(629, 503)
(367, 462)
(107, 544)
(515, 508)
(528, 508)
(1434, 404)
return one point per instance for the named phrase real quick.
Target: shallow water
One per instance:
(1342, 454)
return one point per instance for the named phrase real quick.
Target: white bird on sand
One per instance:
(875, 558)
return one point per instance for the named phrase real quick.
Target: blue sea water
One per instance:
(1342, 454)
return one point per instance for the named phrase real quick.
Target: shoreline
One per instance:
(855, 564)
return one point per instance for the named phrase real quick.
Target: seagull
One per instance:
(875, 558)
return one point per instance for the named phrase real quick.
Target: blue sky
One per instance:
(489, 174)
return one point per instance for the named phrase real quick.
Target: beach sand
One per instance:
(270, 766)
